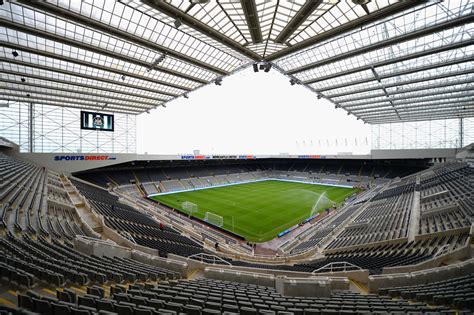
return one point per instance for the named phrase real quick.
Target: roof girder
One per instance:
(396, 99)
(408, 104)
(303, 13)
(111, 103)
(347, 27)
(41, 86)
(42, 99)
(385, 43)
(190, 21)
(95, 87)
(447, 108)
(422, 118)
(442, 115)
(454, 100)
(397, 84)
(251, 16)
(390, 61)
(96, 66)
(76, 74)
(400, 73)
(87, 22)
(422, 88)
(78, 45)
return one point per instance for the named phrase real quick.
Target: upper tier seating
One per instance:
(34, 200)
(446, 199)
(208, 171)
(384, 219)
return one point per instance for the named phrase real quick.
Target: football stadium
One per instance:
(236, 157)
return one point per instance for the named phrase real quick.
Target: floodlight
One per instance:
(268, 66)
(361, 2)
(28, 95)
(123, 78)
(185, 95)
(23, 80)
(156, 62)
(292, 82)
(177, 23)
(218, 81)
(15, 53)
(262, 66)
(255, 67)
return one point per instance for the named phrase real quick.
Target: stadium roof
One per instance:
(382, 61)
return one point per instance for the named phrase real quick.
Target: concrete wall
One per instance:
(310, 287)
(288, 286)
(459, 254)
(110, 249)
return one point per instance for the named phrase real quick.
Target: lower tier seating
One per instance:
(207, 296)
(458, 292)
(27, 262)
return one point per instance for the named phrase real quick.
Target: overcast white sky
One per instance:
(251, 113)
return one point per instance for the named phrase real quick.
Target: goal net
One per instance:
(214, 219)
(189, 207)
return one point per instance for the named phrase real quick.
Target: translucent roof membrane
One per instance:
(93, 73)
(33, 82)
(228, 18)
(396, 26)
(133, 21)
(394, 67)
(385, 59)
(74, 80)
(421, 76)
(409, 48)
(412, 98)
(61, 101)
(209, 49)
(85, 35)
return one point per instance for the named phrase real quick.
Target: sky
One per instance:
(251, 113)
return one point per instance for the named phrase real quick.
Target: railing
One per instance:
(210, 259)
(341, 266)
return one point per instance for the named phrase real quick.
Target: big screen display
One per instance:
(97, 121)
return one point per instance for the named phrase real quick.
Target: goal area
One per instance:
(214, 219)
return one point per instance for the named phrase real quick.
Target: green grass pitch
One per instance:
(258, 211)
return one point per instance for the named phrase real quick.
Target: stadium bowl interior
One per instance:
(85, 231)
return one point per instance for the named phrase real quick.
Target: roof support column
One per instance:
(30, 127)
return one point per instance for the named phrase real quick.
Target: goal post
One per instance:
(189, 207)
(214, 219)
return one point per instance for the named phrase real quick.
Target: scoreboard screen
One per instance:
(97, 121)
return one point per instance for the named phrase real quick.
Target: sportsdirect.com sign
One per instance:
(83, 157)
